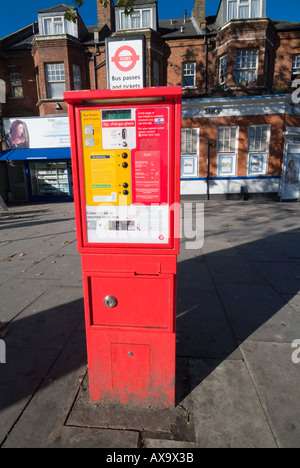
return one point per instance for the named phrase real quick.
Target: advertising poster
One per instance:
(226, 165)
(290, 177)
(40, 132)
(188, 166)
(256, 163)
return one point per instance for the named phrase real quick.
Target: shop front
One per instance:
(38, 175)
(234, 146)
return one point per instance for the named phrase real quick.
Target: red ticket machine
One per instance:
(126, 174)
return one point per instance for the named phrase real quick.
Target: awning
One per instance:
(36, 154)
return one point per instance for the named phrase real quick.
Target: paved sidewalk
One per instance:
(238, 315)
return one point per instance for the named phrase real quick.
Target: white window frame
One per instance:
(54, 75)
(226, 154)
(223, 69)
(129, 18)
(296, 66)
(190, 155)
(244, 3)
(258, 156)
(54, 19)
(16, 82)
(240, 68)
(189, 69)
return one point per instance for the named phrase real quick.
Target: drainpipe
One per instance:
(95, 53)
(206, 63)
(209, 145)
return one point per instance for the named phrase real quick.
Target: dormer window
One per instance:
(54, 25)
(137, 20)
(143, 16)
(244, 9)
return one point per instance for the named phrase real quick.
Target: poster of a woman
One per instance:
(290, 177)
(291, 172)
(17, 136)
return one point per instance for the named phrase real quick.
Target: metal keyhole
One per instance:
(111, 302)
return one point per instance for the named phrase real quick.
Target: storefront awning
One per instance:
(36, 154)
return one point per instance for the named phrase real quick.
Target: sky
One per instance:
(24, 13)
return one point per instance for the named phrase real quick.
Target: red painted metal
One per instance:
(131, 346)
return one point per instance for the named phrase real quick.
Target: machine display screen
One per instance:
(119, 114)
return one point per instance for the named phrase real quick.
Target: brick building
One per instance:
(237, 69)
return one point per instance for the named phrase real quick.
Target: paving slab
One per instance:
(87, 437)
(171, 444)
(57, 267)
(283, 276)
(276, 380)
(49, 321)
(259, 312)
(203, 329)
(41, 424)
(235, 270)
(293, 301)
(228, 411)
(20, 377)
(17, 295)
(193, 274)
(261, 251)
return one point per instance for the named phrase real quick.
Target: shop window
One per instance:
(246, 66)
(296, 67)
(189, 75)
(227, 151)
(189, 152)
(55, 76)
(49, 179)
(258, 149)
(222, 70)
(77, 77)
(16, 85)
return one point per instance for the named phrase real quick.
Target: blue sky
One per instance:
(24, 12)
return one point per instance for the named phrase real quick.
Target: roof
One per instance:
(56, 9)
(177, 27)
(144, 2)
(285, 25)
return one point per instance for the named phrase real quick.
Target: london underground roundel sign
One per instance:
(125, 58)
(125, 62)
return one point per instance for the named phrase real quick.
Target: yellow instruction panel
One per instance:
(108, 137)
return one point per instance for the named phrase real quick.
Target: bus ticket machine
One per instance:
(125, 149)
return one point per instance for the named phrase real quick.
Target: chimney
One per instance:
(199, 13)
(106, 15)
